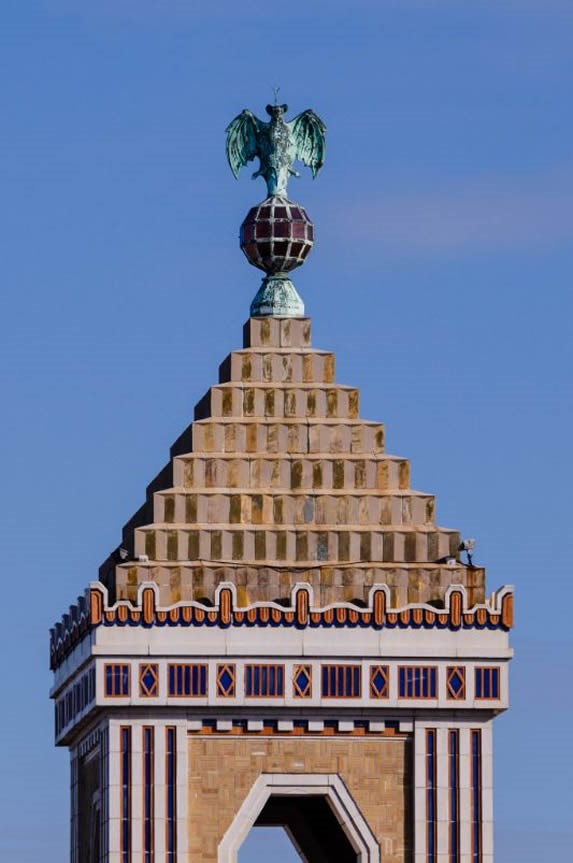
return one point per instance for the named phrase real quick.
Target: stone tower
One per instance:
(284, 636)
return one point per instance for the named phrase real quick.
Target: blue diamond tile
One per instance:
(148, 680)
(379, 682)
(456, 683)
(302, 680)
(225, 681)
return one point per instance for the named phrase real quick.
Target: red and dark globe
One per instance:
(277, 235)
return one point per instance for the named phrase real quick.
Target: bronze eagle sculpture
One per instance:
(278, 144)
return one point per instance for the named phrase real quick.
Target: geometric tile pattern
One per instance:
(456, 682)
(226, 680)
(497, 613)
(148, 680)
(276, 235)
(341, 681)
(487, 682)
(417, 681)
(302, 681)
(264, 680)
(117, 683)
(379, 681)
(187, 679)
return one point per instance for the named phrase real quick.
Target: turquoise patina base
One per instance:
(277, 297)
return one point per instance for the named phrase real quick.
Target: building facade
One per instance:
(289, 624)
(284, 635)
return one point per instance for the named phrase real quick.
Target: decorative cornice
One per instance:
(72, 628)
(93, 610)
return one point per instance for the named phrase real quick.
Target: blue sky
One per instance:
(441, 276)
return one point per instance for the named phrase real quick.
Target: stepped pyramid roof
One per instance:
(277, 481)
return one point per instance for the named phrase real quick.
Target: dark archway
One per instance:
(312, 826)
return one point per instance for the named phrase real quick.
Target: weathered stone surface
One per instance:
(261, 581)
(277, 333)
(278, 472)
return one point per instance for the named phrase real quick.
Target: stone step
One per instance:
(408, 582)
(281, 366)
(302, 401)
(249, 544)
(180, 506)
(277, 333)
(286, 436)
(317, 472)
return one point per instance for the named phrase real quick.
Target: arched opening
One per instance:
(316, 811)
(268, 843)
(312, 827)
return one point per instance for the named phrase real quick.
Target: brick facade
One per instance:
(378, 774)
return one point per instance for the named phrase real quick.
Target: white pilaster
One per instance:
(442, 783)
(160, 792)
(182, 780)
(105, 774)
(487, 791)
(465, 794)
(74, 806)
(420, 839)
(136, 790)
(112, 819)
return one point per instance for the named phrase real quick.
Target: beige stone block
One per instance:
(277, 332)
(280, 366)
(376, 773)
(295, 332)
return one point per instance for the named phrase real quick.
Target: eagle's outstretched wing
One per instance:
(242, 140)
(309, 140)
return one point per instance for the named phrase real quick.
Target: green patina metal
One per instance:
(277, 145)
(276, 248)
(277, 297)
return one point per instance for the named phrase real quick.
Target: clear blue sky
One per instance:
(441, 276)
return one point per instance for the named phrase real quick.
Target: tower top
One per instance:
(277, 235)
(278, 144)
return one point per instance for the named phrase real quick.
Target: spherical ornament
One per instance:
(277, 235)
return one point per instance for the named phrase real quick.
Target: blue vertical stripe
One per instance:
(356, 675)
(431, 795)
(454, 753)
(476, 797)
(187, 680)
(487, 682)
(338, 681)
(125, 766)
(417, 681)
(332, 681)
(171, 768)
(148, 788)
(433, 677)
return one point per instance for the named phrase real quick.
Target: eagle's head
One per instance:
(276, 111)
